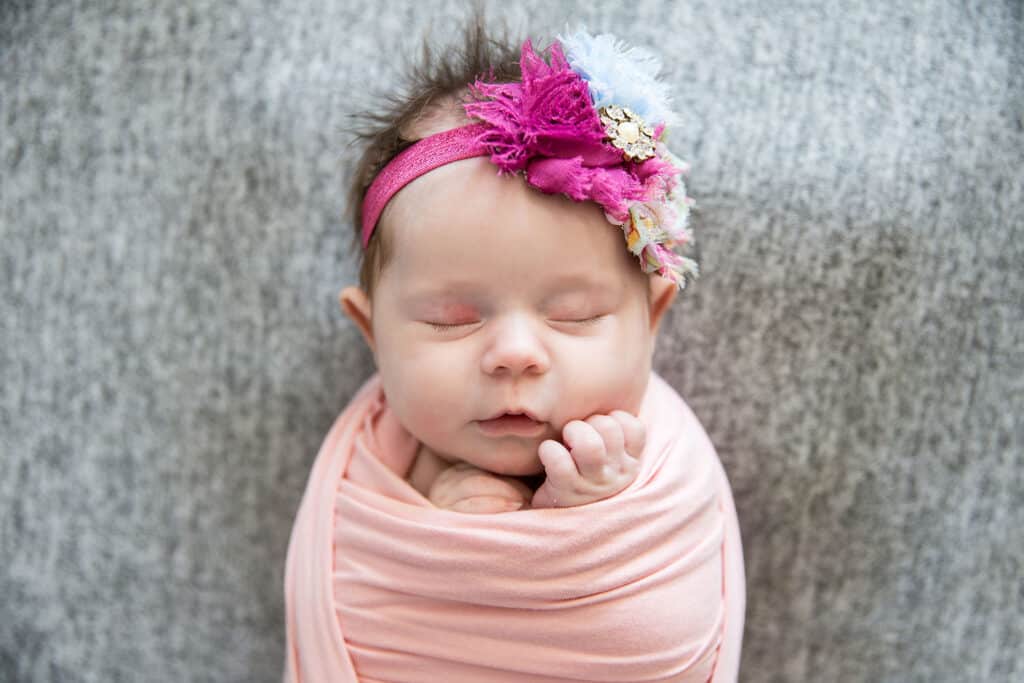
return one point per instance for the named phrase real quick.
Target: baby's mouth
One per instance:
(511, 424)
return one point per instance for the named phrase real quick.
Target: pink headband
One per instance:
(421, 157)
(587, 124)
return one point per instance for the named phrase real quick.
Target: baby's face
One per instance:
(500, 299)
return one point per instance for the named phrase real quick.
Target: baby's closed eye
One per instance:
(578, 318)
(582, 320)
(442, 327)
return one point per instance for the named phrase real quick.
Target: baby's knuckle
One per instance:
(589, 440)
(576, 429)
(602, 421)
(623, 417)
(609, 428)
(583, 488)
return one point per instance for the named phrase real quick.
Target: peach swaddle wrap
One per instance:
(380, 585)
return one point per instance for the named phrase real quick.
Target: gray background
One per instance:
(172, 350)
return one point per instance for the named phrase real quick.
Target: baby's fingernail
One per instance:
(511, 507)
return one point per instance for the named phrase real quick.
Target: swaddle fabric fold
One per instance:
(647, 585)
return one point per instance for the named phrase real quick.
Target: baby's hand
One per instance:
(602, 459)
(465, 488)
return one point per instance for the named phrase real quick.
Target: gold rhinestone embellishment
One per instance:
(628, 132)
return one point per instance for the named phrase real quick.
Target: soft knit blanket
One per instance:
(380, 585)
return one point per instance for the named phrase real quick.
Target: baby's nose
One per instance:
(515, 348)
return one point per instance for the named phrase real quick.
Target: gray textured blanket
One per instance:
(172, 352)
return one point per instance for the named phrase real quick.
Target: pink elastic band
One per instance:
(423, 156)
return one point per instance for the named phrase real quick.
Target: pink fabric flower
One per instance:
(546, 126)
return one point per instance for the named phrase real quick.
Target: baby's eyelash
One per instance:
(441, 327)
(586, 321)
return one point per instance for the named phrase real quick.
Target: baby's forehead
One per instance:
(466, 220)
(457, 256)
(421, 281)
(472, 193)
(430, 284)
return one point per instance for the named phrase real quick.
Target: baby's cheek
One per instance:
(429, 393)
(611, 381)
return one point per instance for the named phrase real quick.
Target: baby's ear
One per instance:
(356, 306)
(663, 292)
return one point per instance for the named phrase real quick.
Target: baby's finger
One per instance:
(634, 430)
(558, 464)
(611, 433)
(586, 447)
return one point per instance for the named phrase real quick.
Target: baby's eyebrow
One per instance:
(440, 293)
(582, 281)
(559, 284)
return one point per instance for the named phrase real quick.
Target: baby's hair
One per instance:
(441, 73)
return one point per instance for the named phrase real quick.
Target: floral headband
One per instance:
(590, 125)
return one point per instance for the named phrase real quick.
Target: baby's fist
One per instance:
(466, 488)
(602, 458)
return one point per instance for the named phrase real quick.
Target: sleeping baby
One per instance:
(518, 218)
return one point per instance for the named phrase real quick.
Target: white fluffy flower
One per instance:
(618, 74)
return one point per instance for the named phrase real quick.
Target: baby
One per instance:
(512, 311)
(517, 217)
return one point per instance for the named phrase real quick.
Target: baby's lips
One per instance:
(515, 411)
(517, 425)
